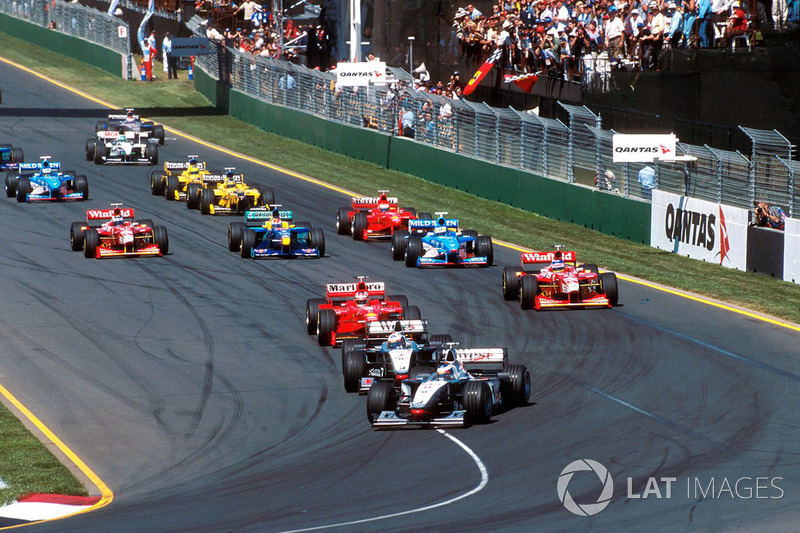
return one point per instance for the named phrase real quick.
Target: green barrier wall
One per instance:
(74, 47)
(621, 217)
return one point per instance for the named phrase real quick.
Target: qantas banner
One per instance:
(360, 74)
(643, 148)
(791, 250)
(698, 229)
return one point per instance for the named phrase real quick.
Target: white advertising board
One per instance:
(360, 74)
(791, 250)
(698, 229)
(643, 148)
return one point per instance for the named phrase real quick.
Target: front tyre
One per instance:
(477, 402)
(529, 288)
(608, 285)
(511, 283)
(381, 397)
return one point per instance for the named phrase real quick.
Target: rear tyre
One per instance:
(157, 179)
(511, 283)
(591, 267)
(318, 240)
(206, 199)
(100, 152)
(484, 247)
(11, 185)
(413, 250)
(399, 241)
(17, 156)
(100, 126)
(91, 242)
(152, 153)
(82, 186)
(381, 397)
(477, 402)
(411, 211)
(173, 184)
(424, 216)
(161, 239)
(440, 339)
(23, 189)
(235, 230)
(470, 233)
(354, 368)
(401, 299)
(158, 133)
(326, 324)
(343, 221)
(359, 226)
(248, 242)
(519, 385)
(267, 197)
(146, 222)
(76, 236)
(91, 146)
(412, 312)
(193, 192)
(608, 285)
(312, 311)
(348, 345)
(529, 288)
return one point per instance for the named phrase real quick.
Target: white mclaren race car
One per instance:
(122, 147)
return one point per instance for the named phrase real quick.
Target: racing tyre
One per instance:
(157, 179)
(267, 197)
(161, 239)
(484, 247)
(519, 384)
(91, 241)
(146, 222)
(158, 133)
(402, 299)
(206, 199)
(11, 185)
(76, 236)
(349, 345)
(17, 156)
(100, 152)
(359, 226)
(326, 324)
(608, 285)
(528, 289)
(420, 372)
(343, 221)
(470, 233)
(23, 189)
(354, 368)
(381, 397)
(413, 250)
(152, 152)
(412, 312)
(91, 146)
(511, 283)
(591, 268)
(312, 311)
(173, 184)
(248, 242)
(411, 211)
(440, 339)
(424, 216)
(477, 402)
(235, 230)
(81, 185)
(399, 241)
(318, 240)
(193, 192)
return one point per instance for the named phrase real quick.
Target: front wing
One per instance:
(392, 419)
(149, 250)
(268, 253)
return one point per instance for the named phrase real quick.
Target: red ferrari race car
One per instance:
(374, 217)
(349, 306)
(119, 236)
(554, 279)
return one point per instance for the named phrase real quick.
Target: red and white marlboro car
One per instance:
(554, 279)
(347, 308)
(118, 236)
(374, 217)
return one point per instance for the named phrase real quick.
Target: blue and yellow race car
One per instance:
(10, 157)
(269, 234)
(44, 181)
(439, 242)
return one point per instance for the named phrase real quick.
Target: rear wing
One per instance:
(346, 291)
(479, 356)
(384, 328)
(371, 201)
(540, 260)
(416, 224)
(38, 166)
(255, 217)
(106, 214)
(219, 178)
(121, 117)
(111, 135)
(182, 165)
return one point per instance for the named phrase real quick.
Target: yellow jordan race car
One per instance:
(183, 180)
(233, 196)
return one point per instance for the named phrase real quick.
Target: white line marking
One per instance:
(484, 481)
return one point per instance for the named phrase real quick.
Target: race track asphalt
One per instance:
(189, 386)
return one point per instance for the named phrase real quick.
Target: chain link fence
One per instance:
(73, 19)
(576, 152)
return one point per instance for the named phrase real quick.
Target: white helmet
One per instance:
(362, 297)
(396, 340)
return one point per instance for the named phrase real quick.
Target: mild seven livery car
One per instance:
(118, 236)
(131, 122)
(554, 279)
(468, 387)
(10, 157)
(374, 217)
(122, 147)
(392, 352)
(440, 243)
(44, 182)
(270, 234)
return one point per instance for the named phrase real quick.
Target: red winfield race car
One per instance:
(373, 217)
(554, 279)
(348, 307)
(118, 236)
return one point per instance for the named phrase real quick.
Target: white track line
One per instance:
(484, 481)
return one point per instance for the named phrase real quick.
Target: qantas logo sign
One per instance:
(690, 227)
(643, 148)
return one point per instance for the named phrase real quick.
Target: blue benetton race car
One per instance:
(10, 157)
(266, 234)
(440, 243)
(45, 181)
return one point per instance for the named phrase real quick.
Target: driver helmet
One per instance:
(557, 265)
(122, 137)
(383, 203)
(396, 340)
(116, 217)
(446, 371)
(440, 228)
(130, 117)
(362, 297)
(45, 167)
(276, 221)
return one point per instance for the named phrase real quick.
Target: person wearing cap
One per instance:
(170, 62)
(737, 25)
(675, 24)
(614, 29)
(658, 27)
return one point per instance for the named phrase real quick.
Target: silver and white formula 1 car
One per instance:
(452, 395)
(122, 147)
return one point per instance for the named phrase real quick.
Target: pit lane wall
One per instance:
(614, 215)
(74, 47)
